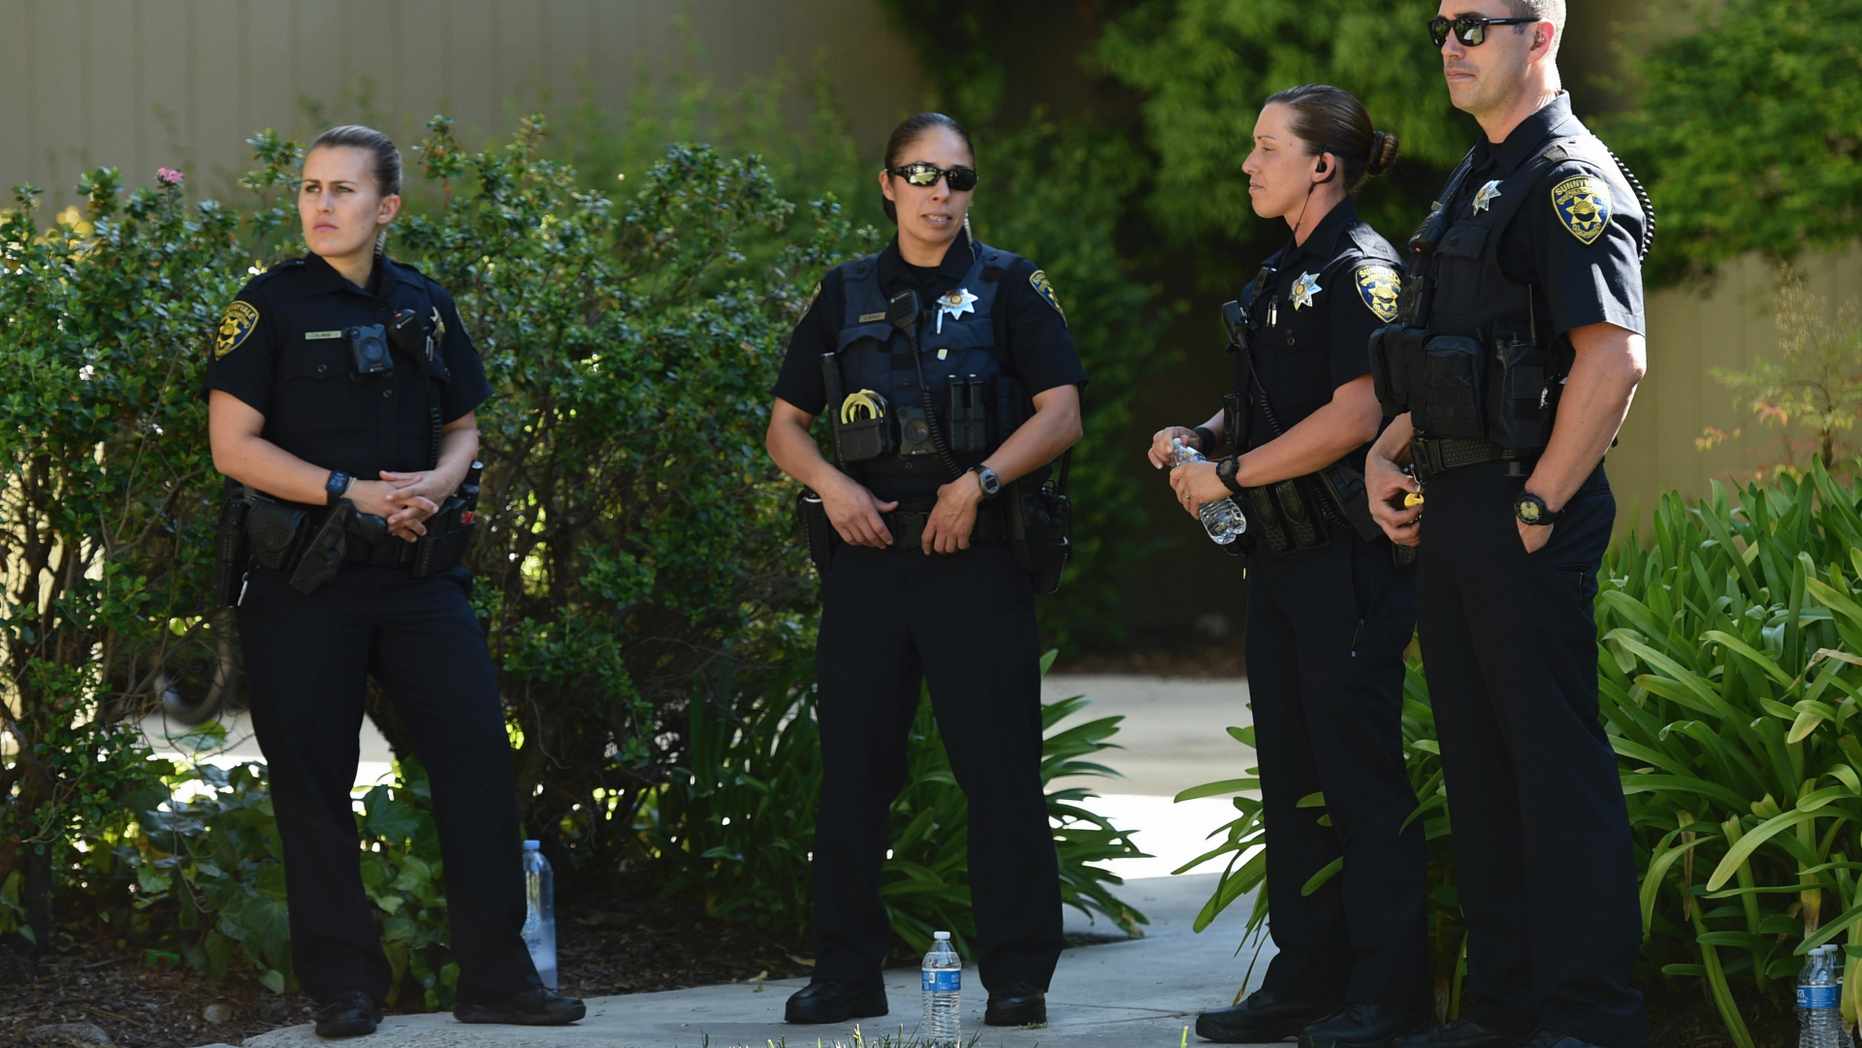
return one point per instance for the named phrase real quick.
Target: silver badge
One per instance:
(1304, 289)
(954, 306)
(1487, 195)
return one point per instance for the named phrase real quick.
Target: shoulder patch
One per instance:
(1038, 280)
(1583, 205)
(1379, 286)
(240, 321)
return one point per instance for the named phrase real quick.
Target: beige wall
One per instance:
(139, 84)
(1691, 333)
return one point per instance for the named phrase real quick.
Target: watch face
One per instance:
(1528, 511)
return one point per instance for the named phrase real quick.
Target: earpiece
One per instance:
(1325, 168)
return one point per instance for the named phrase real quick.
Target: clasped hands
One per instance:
(856, 512)
(404, 500)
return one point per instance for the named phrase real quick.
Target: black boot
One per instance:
(833, 1001)
(536, 1006)
(351, 1013)
(1261, 1018)
(1462, 1033)
(1019, 1003)
(1363, 1025)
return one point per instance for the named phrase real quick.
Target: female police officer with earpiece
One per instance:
(946, 371)
(340, 396)
(1329, 612)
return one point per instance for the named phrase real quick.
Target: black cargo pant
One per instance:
(1543, 860)
(964, 622)
(307, 660)
(1325, 639)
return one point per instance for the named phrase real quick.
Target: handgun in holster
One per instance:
(450, 531)
(323, 555)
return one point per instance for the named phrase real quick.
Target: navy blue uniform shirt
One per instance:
(1599, 282)
(281, 351)
(1314, 317)
(1030, 331)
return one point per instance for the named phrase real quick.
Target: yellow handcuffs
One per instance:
(865, 400)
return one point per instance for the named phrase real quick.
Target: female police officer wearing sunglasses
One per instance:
(937, 411)
(341, 395)
(1329, 613)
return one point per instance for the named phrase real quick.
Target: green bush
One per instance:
(736, 825)
(1728, 655)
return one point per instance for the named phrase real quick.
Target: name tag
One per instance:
(868, 318)
(311, 335)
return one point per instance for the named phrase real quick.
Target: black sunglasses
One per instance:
(962, 179)
(1471, 30)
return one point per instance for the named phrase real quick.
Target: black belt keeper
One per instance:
(1430, 457)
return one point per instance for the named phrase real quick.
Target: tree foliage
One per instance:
(1205, 67)
(1749, 132)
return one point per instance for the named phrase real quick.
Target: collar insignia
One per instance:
(1583, 205)
(1304, 289)
(954, 306)
(1487, 195)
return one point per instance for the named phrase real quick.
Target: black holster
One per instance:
(275, 531)
(232, 552)
(450, 531)
(1040, 523)
(324, 554)
(812, 516)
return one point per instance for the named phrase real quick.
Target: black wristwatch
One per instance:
(336, 487)
(992, 484)
(1225, 471)
(1531, 509)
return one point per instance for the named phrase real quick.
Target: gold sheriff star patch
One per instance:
(1379, 287)
(238, 324)
(1583, 205)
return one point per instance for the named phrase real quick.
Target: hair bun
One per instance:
(1383, 153)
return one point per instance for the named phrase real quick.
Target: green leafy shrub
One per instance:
(1730, 667)
(106, 527)
(738, 823)
(204, 875)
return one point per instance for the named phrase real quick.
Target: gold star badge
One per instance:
(1487, 195)
(1304, 289)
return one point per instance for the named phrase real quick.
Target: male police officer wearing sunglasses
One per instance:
(1517, 349)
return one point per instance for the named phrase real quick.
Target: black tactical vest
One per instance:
(879, 411)
(1486, 365)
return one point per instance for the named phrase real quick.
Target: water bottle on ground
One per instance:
(1223, 520)
(1819, 1001)
(540, 912)
(943, 983)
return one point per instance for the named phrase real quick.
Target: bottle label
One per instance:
(945, 980)
(1816, 996)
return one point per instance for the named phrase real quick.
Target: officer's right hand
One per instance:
(1160, 444)
(1387, 484)
(854, 512)
(373, 497)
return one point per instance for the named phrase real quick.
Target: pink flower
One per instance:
(168, 176)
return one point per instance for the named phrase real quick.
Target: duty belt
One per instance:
(908, 527)
(1429, 456)
(391, 553)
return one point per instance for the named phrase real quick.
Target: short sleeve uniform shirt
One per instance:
(281, 349)
(1314, 314)
(1029, 326)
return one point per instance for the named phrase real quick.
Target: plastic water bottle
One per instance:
(1223, 520)
(540, 912)
(1819, 1001)
(943, 982)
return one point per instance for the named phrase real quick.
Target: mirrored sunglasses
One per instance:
(962, 179)
(1471, 30)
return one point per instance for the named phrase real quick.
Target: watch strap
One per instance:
(1225, 471)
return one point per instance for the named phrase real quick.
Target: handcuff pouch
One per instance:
(275, 532)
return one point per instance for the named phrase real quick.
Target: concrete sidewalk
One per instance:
(1136, 993)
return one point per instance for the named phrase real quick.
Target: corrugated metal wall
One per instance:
(139, 84)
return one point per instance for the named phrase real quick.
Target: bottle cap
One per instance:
(533, 845)
(940, 936)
